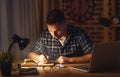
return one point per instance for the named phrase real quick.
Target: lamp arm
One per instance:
(9, 49)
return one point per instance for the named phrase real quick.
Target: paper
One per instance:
(33, 63)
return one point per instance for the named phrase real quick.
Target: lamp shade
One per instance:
(22, 42)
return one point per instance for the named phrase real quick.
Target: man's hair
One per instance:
(55, 16)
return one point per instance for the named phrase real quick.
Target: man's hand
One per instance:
(43, 59)
(80, 59)
(63, 59)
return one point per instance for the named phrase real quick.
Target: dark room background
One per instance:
(27, 18)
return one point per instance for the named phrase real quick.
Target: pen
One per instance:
(44, 55)
(41, 49)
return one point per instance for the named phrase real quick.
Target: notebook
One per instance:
(34, 63)
(106, 57)
(29, 67)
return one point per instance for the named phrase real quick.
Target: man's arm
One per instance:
(81, 59)
(40, 58)
(34, 56)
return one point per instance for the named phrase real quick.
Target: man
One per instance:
(61, 43)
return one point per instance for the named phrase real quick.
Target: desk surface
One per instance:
(66, 72)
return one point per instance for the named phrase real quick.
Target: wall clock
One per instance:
(79, 10)
(115, 20)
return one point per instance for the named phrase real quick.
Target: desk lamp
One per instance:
(22, 42)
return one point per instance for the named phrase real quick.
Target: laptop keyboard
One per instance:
(82, 67)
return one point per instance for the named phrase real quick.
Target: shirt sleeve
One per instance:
(37, 47)
(86, 43)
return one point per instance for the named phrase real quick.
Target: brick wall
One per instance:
(92, 26)
(118, 8)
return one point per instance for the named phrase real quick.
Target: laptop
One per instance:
(106, 57)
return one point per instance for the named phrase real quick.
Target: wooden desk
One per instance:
(67, 72)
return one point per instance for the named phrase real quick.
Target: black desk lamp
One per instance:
(22, 42)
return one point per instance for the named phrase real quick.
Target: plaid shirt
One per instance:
(76, 44)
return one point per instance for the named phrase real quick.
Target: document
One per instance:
(34, 63)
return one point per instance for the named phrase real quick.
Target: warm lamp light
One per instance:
(22, 42)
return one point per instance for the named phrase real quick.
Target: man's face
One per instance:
(57, 30)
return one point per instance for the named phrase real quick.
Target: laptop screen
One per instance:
(105, 56)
